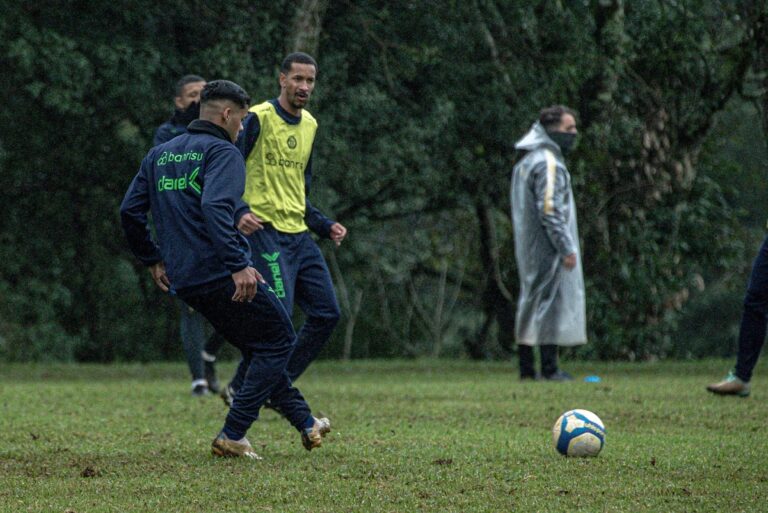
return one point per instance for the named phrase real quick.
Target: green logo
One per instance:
(292, 142)
(181, 183)
(169, 156)
(274, 268)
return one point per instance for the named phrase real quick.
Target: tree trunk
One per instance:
(307, 25)
(349, 307)
(497, 300)
(349, 330)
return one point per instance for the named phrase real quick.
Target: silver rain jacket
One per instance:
(551, 307)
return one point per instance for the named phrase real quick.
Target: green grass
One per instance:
(407, 437)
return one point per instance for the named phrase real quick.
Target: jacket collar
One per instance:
(201, 126)
(284, 114)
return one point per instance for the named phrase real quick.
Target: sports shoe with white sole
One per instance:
(228, 448)
(312, 437)
(200, 388)
(731, 385)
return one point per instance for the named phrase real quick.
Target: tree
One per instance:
(418, 118)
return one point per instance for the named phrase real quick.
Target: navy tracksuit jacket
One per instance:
(192, 184)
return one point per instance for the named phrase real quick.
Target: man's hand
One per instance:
(338, 232)
(158, 274)
(569, 261)
(245, 284)
(249, 223)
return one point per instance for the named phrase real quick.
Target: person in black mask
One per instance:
(200, 354)
(187, 102)
(551, 308)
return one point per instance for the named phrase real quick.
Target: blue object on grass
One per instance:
(592, 379)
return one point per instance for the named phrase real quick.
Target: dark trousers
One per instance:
(294, 267)
(213, 344)
(263, 332)
(548, 354)
(754, 316)
(192, 331)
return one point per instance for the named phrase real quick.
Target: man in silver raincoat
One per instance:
(551, 310)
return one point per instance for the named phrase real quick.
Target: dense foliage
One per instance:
(419, 109)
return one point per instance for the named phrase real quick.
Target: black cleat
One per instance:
(200, 390)
(558, 376)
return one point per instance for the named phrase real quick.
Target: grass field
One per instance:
(407, 437)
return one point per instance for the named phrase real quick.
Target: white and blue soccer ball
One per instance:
(579, 433)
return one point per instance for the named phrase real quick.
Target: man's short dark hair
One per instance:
(186, 79)
(551, 117)
(225, 90)
(299, 58)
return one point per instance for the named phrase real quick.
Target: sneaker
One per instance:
(731, 385)
(530, 377)
(199, 388)
(227, 395)
(209, 368)
(227, 448)
(559, 375)
(312, 438)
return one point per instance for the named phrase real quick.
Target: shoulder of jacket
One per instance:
(535, 157)
(224, 153)
(545, 158)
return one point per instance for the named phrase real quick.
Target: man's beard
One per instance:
(298, 102)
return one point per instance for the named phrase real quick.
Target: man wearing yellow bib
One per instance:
(276, 215)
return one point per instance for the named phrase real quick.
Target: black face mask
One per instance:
(188, 115)
(565, 140)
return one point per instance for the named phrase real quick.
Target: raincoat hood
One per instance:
(537, 138)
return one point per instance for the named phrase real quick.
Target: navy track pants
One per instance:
(263, 332)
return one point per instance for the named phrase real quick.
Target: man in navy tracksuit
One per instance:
(276, 215)
(192, 185)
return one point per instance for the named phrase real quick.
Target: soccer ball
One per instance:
(579, 433)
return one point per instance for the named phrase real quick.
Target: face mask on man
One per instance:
(188, 115)
(565, 140)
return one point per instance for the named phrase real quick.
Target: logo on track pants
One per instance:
(277, 276)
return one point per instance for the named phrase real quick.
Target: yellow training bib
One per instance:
(274, 170)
